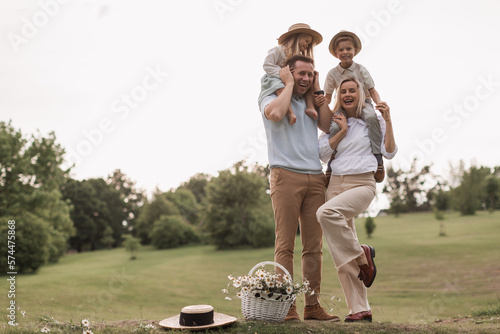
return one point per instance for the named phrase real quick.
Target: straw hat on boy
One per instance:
(344, 33)
(301, 28)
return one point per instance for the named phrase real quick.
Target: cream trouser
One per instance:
(346, 197)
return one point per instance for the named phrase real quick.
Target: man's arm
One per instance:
(276, 110)
(325, 114)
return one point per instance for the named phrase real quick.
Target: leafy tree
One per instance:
(131, 197)
(239, 211)
(107, 239)
(467, 197)
(407, 189)
(30, 177)
(131, 245)
(86, 211)
(370, 226)
(171, 232)
(33, 243)
(492, 190)
(113, 213)
(151, 212)
(196, 185)
(186, 203)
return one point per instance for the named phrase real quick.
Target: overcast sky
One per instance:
(166, 89)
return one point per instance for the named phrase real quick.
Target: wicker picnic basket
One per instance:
(257, 307)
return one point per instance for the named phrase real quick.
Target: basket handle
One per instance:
(262, 264)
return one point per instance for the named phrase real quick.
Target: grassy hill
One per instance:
(421, 278)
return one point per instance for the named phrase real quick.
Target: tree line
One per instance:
(55, 213)
(467, 190)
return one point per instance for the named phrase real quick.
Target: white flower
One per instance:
(224, 291)
(23, 313)
(230, 277)
(227, 298)
(260, 286)
(85, 323)
(150, 326)
(289, 290)
(45, 330)
(87, 331)
(238, 295)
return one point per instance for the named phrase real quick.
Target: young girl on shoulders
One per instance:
(299, 39)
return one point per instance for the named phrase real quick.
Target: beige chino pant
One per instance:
(296, 197)
(346, 197)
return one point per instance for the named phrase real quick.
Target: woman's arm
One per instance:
(342, 122)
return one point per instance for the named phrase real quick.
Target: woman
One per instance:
(350, 192)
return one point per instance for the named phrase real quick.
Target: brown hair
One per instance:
(292, 60)
(345, 38)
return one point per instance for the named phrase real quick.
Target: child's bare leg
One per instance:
(290, 114)
(310, 110)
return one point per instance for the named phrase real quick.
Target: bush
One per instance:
(370, 226)
(171, 232)
(32, 248)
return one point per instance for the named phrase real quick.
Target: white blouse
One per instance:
(354, 153)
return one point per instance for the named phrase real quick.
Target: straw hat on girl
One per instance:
(301, 28)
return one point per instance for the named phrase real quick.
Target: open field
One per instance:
(421, 278)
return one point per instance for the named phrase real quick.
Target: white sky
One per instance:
(69, 68)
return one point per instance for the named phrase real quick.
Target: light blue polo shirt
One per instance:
(293, 147)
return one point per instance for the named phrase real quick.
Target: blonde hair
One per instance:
(361, 92)
(291, 46)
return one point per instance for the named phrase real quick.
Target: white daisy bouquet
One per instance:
(266, 285)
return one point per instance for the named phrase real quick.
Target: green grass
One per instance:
(421, 278)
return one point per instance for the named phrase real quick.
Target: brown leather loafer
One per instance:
(360, 316)
(367, 272)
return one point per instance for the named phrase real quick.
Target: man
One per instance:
(297, 181)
